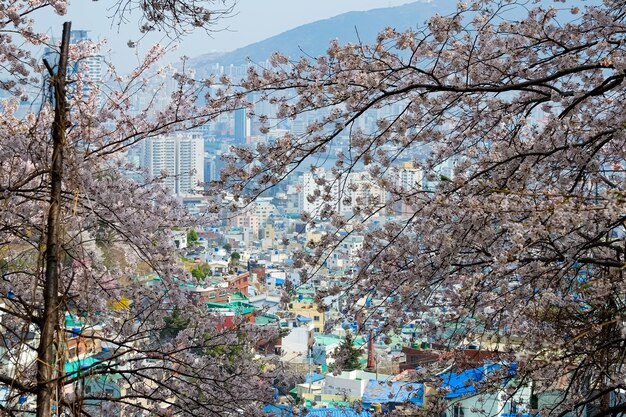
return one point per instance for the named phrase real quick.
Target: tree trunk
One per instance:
(46, 361)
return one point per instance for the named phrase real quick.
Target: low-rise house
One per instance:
(266, 301)
(313, 384)
(217, 267)
(351, 384)
(239, 282)
(325, 345)
(482, 391)
(421, 354)
(180, 239)
(304, 305)
(18, 350)
(212, 290)
(417, 356)
(391, 394)
(237, 306)
(300, 338)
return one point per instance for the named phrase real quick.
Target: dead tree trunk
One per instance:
(46, 352)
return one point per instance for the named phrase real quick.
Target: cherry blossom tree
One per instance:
(75, 232)
(513, 113)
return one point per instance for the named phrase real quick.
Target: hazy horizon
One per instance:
(252, 21)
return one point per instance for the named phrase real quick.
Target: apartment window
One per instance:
(457, 411)
(212, 294)
(316, 318)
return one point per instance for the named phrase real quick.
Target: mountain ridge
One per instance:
(312, 39)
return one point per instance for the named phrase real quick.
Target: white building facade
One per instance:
(180, 156)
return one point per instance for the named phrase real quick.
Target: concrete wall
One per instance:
(298, 340)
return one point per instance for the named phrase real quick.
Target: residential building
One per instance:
(242, 126)
(180, 156)
(350, 384)
(89, 67)
(465, 399)
(409, 180)
(299, 341)
(305, 306)
(320, 184)
(409, 177)
(360, 192)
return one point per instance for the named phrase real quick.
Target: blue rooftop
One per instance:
(313, 377)
(285, 411)
(278, 410)
(384, 392)
(336, 412)
(469, 381)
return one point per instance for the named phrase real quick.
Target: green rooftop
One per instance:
(304, 300)
(359, 341)
(72, 321)
(264, 319)
(327, 339)
(240, 308)
(238, 296)
(75, 366)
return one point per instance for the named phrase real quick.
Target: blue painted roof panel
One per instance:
(466, 382)
(285, 411)
(384, 392)
(313, 377)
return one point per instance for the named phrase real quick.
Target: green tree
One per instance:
(174, 323)
(197, 273)
(192, 236)
(347, 355)
(200, 271)
(234, 259)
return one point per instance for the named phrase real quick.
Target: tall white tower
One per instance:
(180, 156)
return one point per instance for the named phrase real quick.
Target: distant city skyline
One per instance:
(253, 21)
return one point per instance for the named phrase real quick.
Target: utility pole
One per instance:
(47, 351)
(310, 375)
(372, 364)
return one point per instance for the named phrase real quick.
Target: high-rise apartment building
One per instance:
(310, 185)
(90, 67)
(180, 156)
(242, 126)
(360, 192)
(409, 177)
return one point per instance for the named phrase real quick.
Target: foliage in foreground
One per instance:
(514, 115)
(74, 231)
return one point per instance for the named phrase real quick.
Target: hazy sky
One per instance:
(254, 20)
